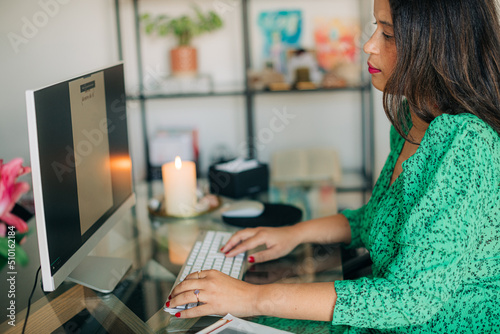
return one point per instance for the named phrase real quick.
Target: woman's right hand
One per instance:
(279, 242)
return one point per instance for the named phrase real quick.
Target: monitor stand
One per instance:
(100, 273)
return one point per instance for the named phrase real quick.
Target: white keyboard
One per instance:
(206, 255)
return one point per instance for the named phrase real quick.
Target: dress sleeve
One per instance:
(431, 248)
(356, 219)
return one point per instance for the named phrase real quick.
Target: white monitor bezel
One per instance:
(51, 282)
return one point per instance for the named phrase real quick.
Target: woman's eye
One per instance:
(387, 36)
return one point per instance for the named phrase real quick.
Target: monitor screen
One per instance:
(82, 170)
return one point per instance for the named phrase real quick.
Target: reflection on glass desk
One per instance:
(158, 248)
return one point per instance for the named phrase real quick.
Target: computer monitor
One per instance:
(82, 175)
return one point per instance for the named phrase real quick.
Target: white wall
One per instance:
(69, 37)
(42, 42)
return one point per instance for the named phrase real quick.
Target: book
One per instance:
(233, 325)
(306, 166)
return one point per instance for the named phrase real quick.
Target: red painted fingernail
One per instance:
(169, 297)
(168, 304)
(221, 249)
(251, 259)
(178, 314)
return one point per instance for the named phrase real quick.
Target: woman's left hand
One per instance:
(218, 294)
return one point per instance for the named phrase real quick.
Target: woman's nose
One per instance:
(370, 46)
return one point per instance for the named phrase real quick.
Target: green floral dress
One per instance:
(433, 236)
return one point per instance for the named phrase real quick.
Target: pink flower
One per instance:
(11, 191)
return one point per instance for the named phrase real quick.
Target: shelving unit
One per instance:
(354, 180)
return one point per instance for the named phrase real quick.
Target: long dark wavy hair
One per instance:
(448, 60)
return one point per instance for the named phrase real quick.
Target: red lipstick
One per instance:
(372, 69)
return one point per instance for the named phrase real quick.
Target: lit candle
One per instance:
(179, 181)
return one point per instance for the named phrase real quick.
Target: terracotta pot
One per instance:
(184, 61)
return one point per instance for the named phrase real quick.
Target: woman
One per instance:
(432, 225)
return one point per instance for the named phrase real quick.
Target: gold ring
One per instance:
(199, 271)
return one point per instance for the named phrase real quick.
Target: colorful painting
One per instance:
(337, 42)
(281, 30)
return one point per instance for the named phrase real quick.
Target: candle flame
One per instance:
(178, 162)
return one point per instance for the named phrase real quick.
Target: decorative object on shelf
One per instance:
(13, 229)
(350, 72)
(267, 79)
(281, 30)
(331, 81)
(183, 58)
(338, 51)
(279, 86)
(179, 180)
(303, 67)
(302, 79)
(337, 42)
(302, 74)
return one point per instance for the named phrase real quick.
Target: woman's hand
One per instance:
(279, 242)
(218, 294)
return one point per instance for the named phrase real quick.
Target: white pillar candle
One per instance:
(179, 181)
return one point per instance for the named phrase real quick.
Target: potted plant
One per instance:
(183, 58)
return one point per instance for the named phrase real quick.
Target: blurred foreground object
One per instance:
(12, 228)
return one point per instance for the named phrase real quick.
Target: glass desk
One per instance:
(158, 248)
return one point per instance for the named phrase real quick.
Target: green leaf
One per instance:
(20, 255)
(183, 27)
(200, 15)
(4, 247)
(163, 30)
(217, 21)
(150, 27)
(3, 262)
